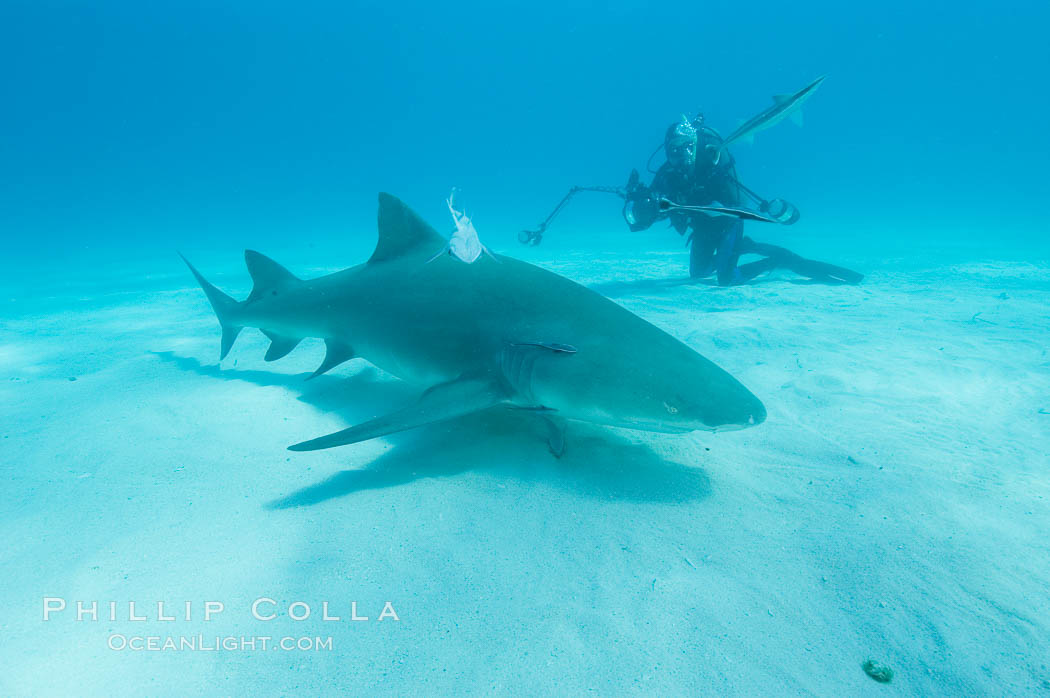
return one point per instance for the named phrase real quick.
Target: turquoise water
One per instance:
(892, 507)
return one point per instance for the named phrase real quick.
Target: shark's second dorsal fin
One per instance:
(267, 274)
(402, 231)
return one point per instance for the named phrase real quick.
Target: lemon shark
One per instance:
(784, 106)
(496, 333)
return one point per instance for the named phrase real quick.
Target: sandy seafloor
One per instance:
(894, 505)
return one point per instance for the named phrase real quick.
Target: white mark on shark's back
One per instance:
(465, 243)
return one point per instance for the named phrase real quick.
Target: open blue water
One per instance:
(892, 507)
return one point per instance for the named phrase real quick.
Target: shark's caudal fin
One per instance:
(224, 307)
(402, 231)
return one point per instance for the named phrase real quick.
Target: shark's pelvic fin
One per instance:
(336, 352)
(224, 307)
(279, 346)
(439, 403)
(267, 274)
(555, 434)
(402, 231)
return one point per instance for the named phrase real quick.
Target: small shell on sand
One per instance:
(879, 672)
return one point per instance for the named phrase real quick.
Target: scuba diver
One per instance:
(698, 191)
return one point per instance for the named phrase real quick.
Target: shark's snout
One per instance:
(739, 410)
(759, 414)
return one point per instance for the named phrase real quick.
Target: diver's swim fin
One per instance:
(822, 271)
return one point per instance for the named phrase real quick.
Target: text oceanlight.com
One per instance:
(229, 643)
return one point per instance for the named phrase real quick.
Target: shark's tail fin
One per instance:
(224, 307)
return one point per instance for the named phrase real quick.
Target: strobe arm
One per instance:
(535, 236)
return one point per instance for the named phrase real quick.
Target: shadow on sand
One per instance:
(617, 289)
(598, 462)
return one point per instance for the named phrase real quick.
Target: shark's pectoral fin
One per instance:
(796, 117)
(336, 352)
(280, 346)
(441, 402)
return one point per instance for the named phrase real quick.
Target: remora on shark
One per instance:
(498, 332)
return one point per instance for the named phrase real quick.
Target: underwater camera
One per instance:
(783, 212)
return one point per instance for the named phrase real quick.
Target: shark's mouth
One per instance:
(641, 424)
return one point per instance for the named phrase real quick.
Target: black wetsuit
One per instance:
(717, 242)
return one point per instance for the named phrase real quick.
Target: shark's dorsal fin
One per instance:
(402, 231)
(267, 274)
(780, 99)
